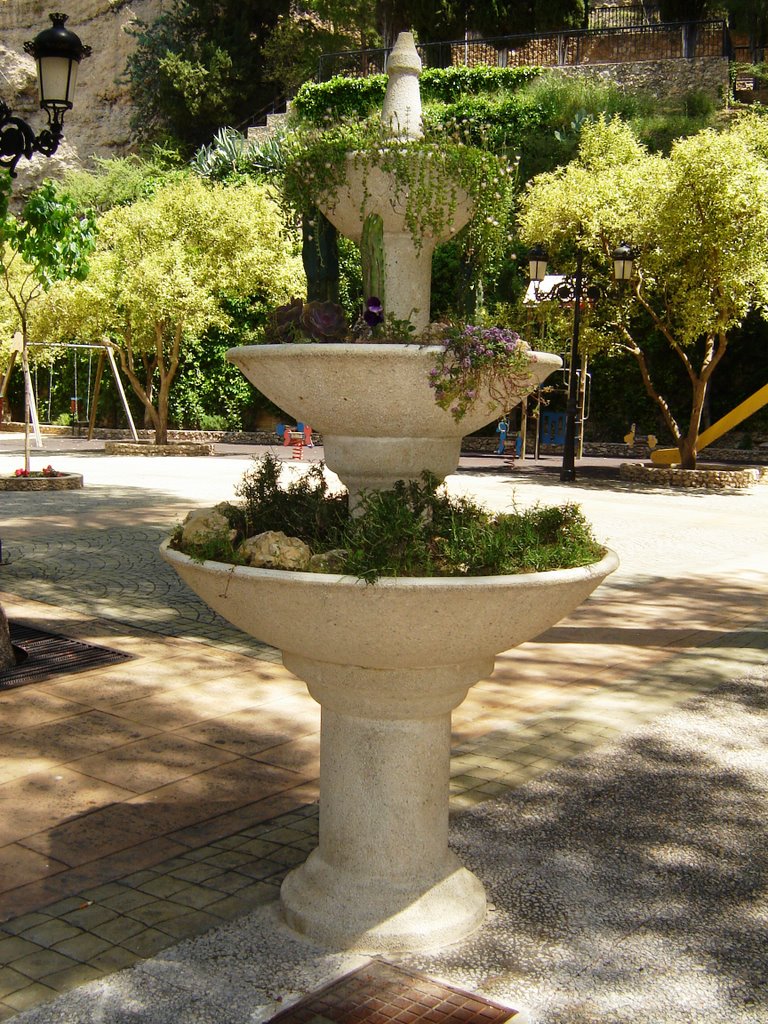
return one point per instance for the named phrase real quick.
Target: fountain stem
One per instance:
(382, 878)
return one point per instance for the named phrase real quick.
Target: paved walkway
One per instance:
(150, 801)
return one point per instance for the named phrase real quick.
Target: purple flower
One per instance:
(374, 312)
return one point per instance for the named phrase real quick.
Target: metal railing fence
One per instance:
(626, 16)
(550, 49)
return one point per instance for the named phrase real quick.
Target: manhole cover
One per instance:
(380, 993)
(46, 655)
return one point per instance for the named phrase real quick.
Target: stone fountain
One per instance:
(387, 662)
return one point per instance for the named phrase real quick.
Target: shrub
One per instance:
(415, 529)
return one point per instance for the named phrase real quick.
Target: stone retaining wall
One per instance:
(662, 79)
(150, 450)
(708, 477)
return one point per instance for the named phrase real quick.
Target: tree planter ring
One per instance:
(65, 482)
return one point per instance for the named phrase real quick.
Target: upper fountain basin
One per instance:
(368, 390)
(368, 189)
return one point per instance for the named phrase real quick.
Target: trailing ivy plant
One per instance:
(428, 175)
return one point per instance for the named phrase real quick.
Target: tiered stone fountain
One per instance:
(387, 662)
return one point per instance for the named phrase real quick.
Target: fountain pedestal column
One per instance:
(383, 878)
(387, 663)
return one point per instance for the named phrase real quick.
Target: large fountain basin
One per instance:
(387, 662)
(398, 623)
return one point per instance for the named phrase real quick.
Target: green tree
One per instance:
(51, 241)
(699, 220)
(162, 272)
(198, 67)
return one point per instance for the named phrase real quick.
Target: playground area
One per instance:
(607, 781)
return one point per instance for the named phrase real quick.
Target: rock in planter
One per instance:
(204, 525)
(328, 561)
(275, 550)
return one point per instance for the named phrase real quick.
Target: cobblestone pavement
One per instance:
(147, 802)
(110, 572)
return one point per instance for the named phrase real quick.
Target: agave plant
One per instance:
(231, 154)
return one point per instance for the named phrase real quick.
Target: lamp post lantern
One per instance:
(571, 290)
(57, 52)
(623, 259)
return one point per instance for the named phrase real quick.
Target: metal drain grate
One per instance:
(46, 655)
(380, 993)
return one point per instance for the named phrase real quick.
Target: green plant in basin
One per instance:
(415, 529)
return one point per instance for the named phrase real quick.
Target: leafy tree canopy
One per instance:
(50, 242)
(198, 67)
(162, 271)
(699, 220)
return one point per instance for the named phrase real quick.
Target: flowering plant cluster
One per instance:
(492, 359)
(45, 471)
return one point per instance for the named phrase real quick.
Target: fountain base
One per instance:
(374, 915)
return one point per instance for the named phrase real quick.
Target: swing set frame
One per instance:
(105, 353)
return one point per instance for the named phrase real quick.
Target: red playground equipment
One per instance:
(298, 436)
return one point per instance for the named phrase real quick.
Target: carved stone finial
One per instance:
(401, 112)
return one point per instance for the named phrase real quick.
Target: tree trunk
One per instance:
(7, 656)
(687, 444)
(687, 453)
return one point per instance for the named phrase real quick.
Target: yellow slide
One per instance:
(669, 456)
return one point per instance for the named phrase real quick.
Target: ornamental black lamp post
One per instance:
(58, 53)
(570, 291)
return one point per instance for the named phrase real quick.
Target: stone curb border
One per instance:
(714, 479)
(174, 448)
(66, 482)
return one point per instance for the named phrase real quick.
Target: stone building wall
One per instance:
(100, 122)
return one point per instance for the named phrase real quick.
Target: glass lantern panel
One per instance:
(57, 77)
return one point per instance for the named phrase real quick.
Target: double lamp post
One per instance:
(570, 291)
